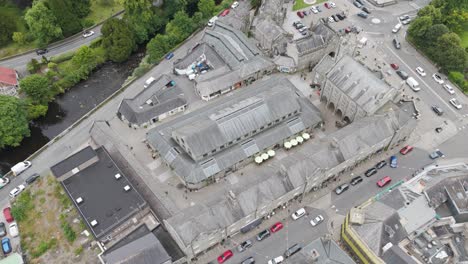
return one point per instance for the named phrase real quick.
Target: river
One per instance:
(69, 107)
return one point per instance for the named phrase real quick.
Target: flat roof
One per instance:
(104, 197)
(73, 161)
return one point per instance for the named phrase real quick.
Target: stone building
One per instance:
(272, 39)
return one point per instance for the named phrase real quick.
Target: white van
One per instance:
(149, 82)
(413, 84)
(276, 260)
(20, 167)
(212, 21)
(396, 28)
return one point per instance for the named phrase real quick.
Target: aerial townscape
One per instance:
(237, 132)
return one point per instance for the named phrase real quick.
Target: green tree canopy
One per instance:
(451, 56)
(157, 47)
(207, 8)
(435, 32)
(42, 23)
(432, 12)
(419, 26)
(141, 18)
(180, 27)
(37, 87)
(457, 20)
(13, 121)
(7, 27)
(118, 39)
(81, 7)
(66, 16)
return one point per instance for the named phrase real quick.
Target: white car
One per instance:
(437, 78)
(333, 5)
(330, 20)
(88, 34)
(456, 103)
(235, 5)
(317, 220)
(3, 182)
(314, 10)
(14, 229)
(449, 89)
(212, 21)
(17, 190)
(298, 214)
(276, 260)
(420, 71)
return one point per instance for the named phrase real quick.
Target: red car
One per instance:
(276, 227)
(300, 14)
(395, 66)
(406, 150)
(347, 30)
(384, 181)
(225, 12)
(327, 5)
(225, 256)
(7, 213)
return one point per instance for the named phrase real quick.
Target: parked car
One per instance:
(381, 164)
(437, 78)
(365, 10)
(7, 214)
(370, 172)
(342, 188)
(276, 227)
(276, 260)
(327, 5)
(403, 75)
(356, 180)
(436, 154)
(262, 235)
(335, 18)
(331, 20)
(318, 8)
(41, 51)
(249, 260)
(396, 43)
(20, 167)
(212, 21)
(420, 71)
(88, 33)
(317, 220)
(405, 150)
(437, 110)
(394, 66)
(384, 181)
(339, 16)
(17, 190)
(298, 214)
(405, 17)
(225, 12)
(406, 21)
(244, 245)
(170, 55)
(357, 4)
(14, 230)
(363, 14)
(314, 10)
(360, 1)
(455, 103)
(3, 231)
(393, 161)
(300, 14)
(32, 178)
(225, 256)
(235, 5)
(6, 246)
(292, 250)
(3, 182)
(397, 28)
(331, 4)
(449, 89)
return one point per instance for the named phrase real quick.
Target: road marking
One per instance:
(429, 87)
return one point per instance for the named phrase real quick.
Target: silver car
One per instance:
(244, 245)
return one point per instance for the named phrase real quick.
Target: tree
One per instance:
(157, 47)
(19, 38)
(451, 56)
(435, 32)
(457, 20)
(85, 59)
(35, 110)
(173, 6)
(42, 23)
(7, 27)
(37, 87)
(140, 16)
(13, 121)
(180, 27)
(118, 39)
(432, 12)
(207, 8)
(418, 28)
(66, 16)
(81, 7)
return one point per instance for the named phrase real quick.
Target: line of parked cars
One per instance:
(315, 9)
(360, 4)
(301, 28)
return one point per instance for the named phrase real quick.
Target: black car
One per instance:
(41, 51)
(340, 17)
(437, 110)
(357, 4)
(381, 164)
(292, 250)
(360, 1)
(244, 245)
(403, 75)
(262, 235)
(356, 180)
(370, 172)
(335, 18)
(363, 14)
(366, 10)
(249, 260)
(2, 229)
(32, 178)
(396, 43)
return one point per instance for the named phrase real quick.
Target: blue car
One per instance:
(393, 162)
(169, 56)
(6, 246)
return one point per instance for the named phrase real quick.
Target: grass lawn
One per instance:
(99, 12)
(464, 38)
(300, 4)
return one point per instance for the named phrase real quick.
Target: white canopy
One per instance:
(299, 139)
(305, 135)
(258, 160)
(287, 145)
(294, 142)
(271, 153)
(265, 156)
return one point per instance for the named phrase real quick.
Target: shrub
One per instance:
(459, 79)
(19, 37)
(21, 206)
(43, 247)
(62, 57)
(33, 66)
(70, 235)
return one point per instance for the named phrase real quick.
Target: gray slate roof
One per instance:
(320, 37)
(328, 253)
(268, 29)
(73, 161)
(162, 100)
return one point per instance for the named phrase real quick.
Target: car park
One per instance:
(403, 75)
(356, 180)
(235, 5)
(363, 14)
(437, 110)
(394, 66)
(357, 4)
(244, 245)
(276, 227)
(7, 214)
(370, 172)
(405, 150)
(437, 78)
(436, 154)
(225, 256)
(14, 229)
(249, 260)
(396, 43)
(455, 103)
(342, 188)
(298, 214)
(393, 161)
(276, 260)
(420, 71)
(262, 235)
(88, 33)
(365, 10)
(225, 12)
(317, 220)
(292, 250)
(3, 231)
(32, 178)
(384, 181)
(17, 190)
(3, 182)
(41, 51)
(449, 89)
(6, 245)
(381, 164)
